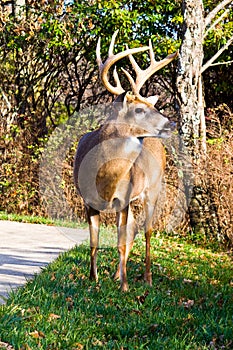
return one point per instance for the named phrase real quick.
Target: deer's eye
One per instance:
(139, 110)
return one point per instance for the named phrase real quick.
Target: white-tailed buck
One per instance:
(124, 159)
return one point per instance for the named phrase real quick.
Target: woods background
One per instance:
(48, 74)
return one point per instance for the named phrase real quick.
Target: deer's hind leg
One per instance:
(93, 221)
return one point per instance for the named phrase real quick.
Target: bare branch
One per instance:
(216, 22)
(214, 12)
(210, 62)
(218, 63)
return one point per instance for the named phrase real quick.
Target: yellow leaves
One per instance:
(137, 312)
(37, 334)
(188, 319)
(70, 303)
(53, 317)
(71, 276)
(53, 277)
(214, 282)
(78, 346)
(97, 342)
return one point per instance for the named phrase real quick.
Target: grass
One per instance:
(40, 220)
(190, 305)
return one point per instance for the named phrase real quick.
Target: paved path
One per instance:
(25, 248)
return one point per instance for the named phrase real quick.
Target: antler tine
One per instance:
(104, 67)
(111, 47)
(151, 52)
(143, 75)
(116, 78)
(137, 69)
(98, 57)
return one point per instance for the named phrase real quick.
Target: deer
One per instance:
(124, 159)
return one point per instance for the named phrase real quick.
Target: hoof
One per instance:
(116, 276)
(124, 287)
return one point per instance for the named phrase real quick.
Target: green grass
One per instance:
(40, 220)
(190, 305)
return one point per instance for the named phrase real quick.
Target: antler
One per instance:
(141, 75)
(104, 67)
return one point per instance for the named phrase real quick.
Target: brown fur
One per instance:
(123, 160)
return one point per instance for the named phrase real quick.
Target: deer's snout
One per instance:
(173, 125)
(167, 128)
(169, 125)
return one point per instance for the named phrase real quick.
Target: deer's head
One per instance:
(138, 113)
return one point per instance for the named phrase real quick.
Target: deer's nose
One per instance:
(167, 126)
(172, 125)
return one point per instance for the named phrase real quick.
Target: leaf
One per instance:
(53, 317)
(97, 342)
(138, 312)
(5, 346)
(37, 334)
(71, 276)
(153, 327)
(141, 298)
(187, 304)
(53, 277)
(188, 281)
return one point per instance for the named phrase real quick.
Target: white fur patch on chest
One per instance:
(132, 144)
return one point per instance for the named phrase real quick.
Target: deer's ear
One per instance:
(119, 102)
(152, 99)
(120, 98)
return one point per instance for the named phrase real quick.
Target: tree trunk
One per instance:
(202, 209)
(19, 8)
(188, 77)
(190, 100)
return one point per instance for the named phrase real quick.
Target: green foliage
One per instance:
(48, 73)
(188, 307)
(47, 62)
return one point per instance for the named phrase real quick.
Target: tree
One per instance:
(189, 79)
(48, 71)
(196, 28)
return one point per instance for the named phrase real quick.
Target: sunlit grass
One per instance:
(190, 305)
(40, 220)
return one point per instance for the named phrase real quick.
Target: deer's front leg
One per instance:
(93, 221)
(148, 274)
(149, 210)
(126, 233)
